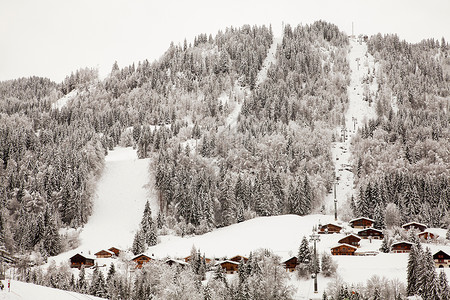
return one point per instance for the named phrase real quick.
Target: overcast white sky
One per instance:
(51, 38)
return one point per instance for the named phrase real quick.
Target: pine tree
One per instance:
(447, 235)
(98, 286)
(82, 285)
(443, 287)
(413, 269)
(427, 281)
(328, 265)
(304, 252)
(138, 243)
(385, 244)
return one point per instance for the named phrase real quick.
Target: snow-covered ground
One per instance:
(121, 194)
(28, 291)
(282, 235)
(61, 102)
(358, 112)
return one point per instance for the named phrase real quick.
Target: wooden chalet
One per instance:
(330, 228)
(79, 260)
(104, 254)
(229, 266)
(343, 249)
(115, 250)
(174, 262)
(415, 225)
(361, 223)
(426, 235)
(441, 259)
(188, 259)
(239, 258)
(291, 263)
(350, 239)
(140, 260)
(370, 233)
(401, 247)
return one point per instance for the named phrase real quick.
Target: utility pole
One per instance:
(343, 133)
(314, 237)
(335, 201)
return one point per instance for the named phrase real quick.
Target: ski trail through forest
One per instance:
(362, 66)
(121, 194)
(232, 118)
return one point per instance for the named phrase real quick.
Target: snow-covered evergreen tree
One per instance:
(98, 286)
(443, 286)
(138, 243)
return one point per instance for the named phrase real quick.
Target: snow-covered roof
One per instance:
(331, 223)
(429, 232)
(414, 223)
(361, 218)
(440, 250)
(343, 244)
(401, 242)
(107, 251)
(286, 260)
(351, 234)
(180, 262)
(370, 228)
(227, 261)
(139, 255)
(85, 256)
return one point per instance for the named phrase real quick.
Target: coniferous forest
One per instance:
(210, 172)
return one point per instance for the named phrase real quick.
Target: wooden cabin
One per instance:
(104, 254)
(291, 263)
(441, 259)
(370, 233)
(361, 223)
(401, 247)
(343, 249)
(350, 239)
(330, 228)
(415, 225)
(140, 260)
(188, 259)
(229, 266)
(239, 258)
(426, 235)
(175, 262)
(115, 251)
(79, 260)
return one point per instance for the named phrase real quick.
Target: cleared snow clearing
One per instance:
(270, 59)
(61, 102)
(23, 290)
(232, 119)
(121, 195)
(359, 111)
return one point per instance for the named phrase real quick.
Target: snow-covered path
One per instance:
(358, 111)
(121, 195)
(61, 102)
(231, 120)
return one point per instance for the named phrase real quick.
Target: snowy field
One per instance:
(29, 291)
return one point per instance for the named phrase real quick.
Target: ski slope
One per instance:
(241, 92)
(358, 112)
(119, 202)
(28, 291)
(61, 102)
(121, 194)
